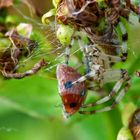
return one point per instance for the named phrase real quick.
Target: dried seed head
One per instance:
(72, 95)
(134, 124)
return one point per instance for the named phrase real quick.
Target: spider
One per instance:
(9, 58)
(86, 15)
(104, 50)
(72, 86)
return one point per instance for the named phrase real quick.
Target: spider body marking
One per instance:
(72, 96)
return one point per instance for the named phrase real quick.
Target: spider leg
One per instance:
(125, 78)
(92, 74)
(135, 9)
(68, 49)
(124, 40)
(83, 48)
(110, 58)
(67, 54)
(107, 108)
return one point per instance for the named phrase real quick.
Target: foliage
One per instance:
(30, 107)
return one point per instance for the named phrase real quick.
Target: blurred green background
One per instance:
(30, 107)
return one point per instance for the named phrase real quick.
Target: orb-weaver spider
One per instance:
(72, 86)
(86, 15)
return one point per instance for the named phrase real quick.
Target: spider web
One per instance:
(49, 46)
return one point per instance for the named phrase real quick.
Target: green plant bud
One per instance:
(64, 34)
(45, 17)
(124, 134)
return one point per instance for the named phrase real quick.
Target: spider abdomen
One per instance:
(72, 95)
